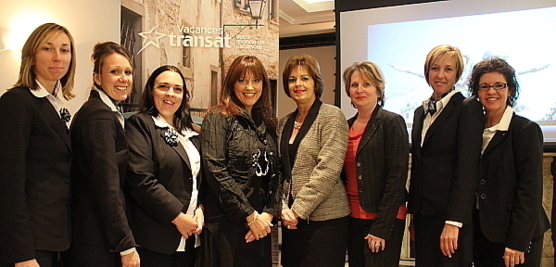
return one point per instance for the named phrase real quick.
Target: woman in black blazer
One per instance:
(510, 220)
(375, 171)
(36, 152)
(101, 235)
(164, 173)
(446, 146)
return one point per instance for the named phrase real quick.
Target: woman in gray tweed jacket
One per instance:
(313, 143)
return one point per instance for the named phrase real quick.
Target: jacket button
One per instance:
(483, 196)
(483, 182)
(358, 164)
(359, 177)
(265, 142)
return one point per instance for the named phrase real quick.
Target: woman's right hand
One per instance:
(185, 224)
(289, 218)
(29, 263)
(259, 225)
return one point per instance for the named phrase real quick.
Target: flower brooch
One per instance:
(65, 114)
(171, 137)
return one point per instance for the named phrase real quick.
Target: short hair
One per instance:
(442, 52)
(102, 50)
(38, 37)
(230, 104)
(313, 68)
(369, 71)
(499, 65)
(182, 117)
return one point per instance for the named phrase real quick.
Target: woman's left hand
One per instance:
(375, 243)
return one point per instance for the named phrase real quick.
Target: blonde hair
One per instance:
(38, 37)
(370, 71)
(440, 53)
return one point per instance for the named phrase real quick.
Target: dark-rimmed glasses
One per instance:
(496, 86)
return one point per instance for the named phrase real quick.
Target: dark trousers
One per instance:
(360, 255)
(313, 244)
(81, 255)
(489, 254)
(427, 243)
(44, 258)
(185, 258)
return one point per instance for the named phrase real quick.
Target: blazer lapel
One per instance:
(448, 109)
(52, 117)
(177, 148)
(370, 130)
(417, 129)
(496, 140)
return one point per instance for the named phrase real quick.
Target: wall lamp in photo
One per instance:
(256, 8)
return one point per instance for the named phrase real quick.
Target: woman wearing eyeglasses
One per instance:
(510, 220)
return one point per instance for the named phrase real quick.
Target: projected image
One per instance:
(526, 39)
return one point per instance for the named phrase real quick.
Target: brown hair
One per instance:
(313, 68)
(102, 50)
(230, 104)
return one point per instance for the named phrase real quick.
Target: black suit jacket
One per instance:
(444, 170)
(98, 176)
(381, 163)
(160, 184)
(511, 185)
(35, 155)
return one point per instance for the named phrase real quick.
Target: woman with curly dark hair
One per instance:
(510, 220)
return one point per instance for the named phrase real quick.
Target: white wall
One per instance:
(89, 22)
(325, 55)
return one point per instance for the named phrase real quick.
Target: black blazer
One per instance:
(160, 184)
(98, 176)
(444, 170)
(381, 162)
(35, 155)
(511, 184)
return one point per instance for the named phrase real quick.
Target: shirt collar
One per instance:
(41, 92)
(161, 122)
(107, 100)
(444, 100)
(504, 124)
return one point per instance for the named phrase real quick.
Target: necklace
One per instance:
(297, 125)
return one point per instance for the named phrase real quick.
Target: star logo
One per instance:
(151, 38)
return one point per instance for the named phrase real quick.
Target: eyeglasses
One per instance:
(496, 86)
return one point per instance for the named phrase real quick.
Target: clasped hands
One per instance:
(259, 226)
(289, 219)
(189, 225)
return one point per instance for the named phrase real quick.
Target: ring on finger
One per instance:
(377, 244)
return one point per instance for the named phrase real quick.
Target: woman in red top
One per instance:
(375, 171)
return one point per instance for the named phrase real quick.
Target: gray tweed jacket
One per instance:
(316, 186)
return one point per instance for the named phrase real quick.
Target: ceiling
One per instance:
(303, 17)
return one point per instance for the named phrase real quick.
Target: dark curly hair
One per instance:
(499, 65)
